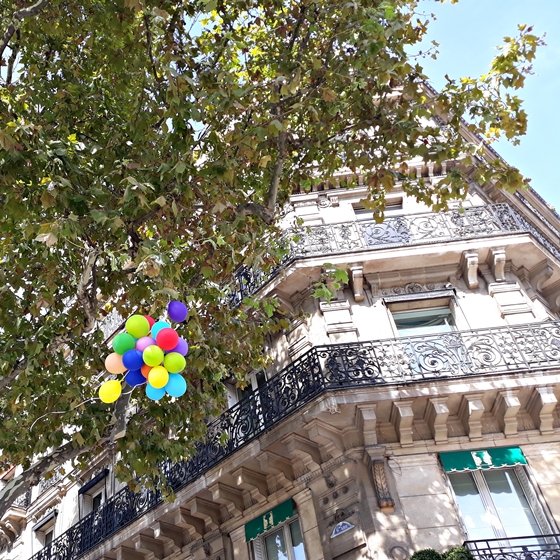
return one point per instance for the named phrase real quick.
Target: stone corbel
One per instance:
(357, 281)
(384, 499)
(541, 405)
(498, 263)
(505, 409)
(540, 274)
(469, 267)
(436, 417)
(402, 418)
(470, 413)
(366, 421)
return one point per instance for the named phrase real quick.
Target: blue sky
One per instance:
(468, 33)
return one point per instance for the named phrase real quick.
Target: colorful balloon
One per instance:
(145, 370)
(182, 347)
(150, 320)
(132, 359)
(135, 378)
(144, 342)
(110, 391)
(174, 362)
(123, 342)
(156, 327)
(176, 386)
(158, 377)
(114, 363)
(153, 393)
(138, 326)
(167, 339)
(177, 311)
(153, 356)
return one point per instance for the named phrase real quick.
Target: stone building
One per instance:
(418, 408)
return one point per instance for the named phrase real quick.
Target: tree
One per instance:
(146, 148)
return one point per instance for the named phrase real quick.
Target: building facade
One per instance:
(416, 409)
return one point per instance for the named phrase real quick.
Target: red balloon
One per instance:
(167, 339)
(150, 320)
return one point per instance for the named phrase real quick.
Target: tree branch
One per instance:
(88, 302)
(12, 59)
(277, 173)
(256, 209)
(16, 19)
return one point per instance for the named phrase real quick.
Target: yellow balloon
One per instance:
(158, 377)
(110, 391)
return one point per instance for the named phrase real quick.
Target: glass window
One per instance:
(493, 505)
(49, 537)
(424, 321)
(96, 501)
(284, 542)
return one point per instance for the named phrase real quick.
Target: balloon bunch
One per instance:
(150, 353)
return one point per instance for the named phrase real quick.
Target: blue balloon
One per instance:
(176, 386)
(132, 359)
(134, 378)
(158, 326)
(153, 393)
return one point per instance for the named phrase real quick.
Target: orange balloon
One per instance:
(145, 369)
(113, 363)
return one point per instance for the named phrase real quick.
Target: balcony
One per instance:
(398, 231)
(543, 547)
(459, 354)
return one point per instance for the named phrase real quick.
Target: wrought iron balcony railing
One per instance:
(415, 229)
(542, 547)
(458, 354)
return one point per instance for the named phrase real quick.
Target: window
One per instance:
(97, 500)
(284, 542)
(49, 535)
(424, 321)
(495, 503)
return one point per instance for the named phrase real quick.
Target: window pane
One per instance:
(49, 537)
(426, 321)
(97, 501)
(275, 544)
(297, 541)
(512, 505)
(477, 520)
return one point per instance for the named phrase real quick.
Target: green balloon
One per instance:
(123, 342)
(174, 362)
(153, 356)
(137, 326)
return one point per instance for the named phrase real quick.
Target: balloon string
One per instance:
(92, 399)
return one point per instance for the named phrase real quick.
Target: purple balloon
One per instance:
(182, 347)
(134, 378)
(144, 342)
(132, 359)
(177, 311)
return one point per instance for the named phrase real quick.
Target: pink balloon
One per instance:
(144, 342)
(113, 363)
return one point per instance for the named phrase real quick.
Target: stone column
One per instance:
(240, 547)
(309, 525)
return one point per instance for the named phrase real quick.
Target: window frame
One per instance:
(530, 493)
(258, 548)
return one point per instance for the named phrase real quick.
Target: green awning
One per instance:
(269, 520)
(495, 457)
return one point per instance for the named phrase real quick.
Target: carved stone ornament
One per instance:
(384, 499)
(415, 288)
(330, 480)
(341, 515)
(207, 549)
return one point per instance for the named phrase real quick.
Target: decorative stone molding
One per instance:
(402, 418)
(469, 268)
(436, 417)
(337, 317)
(298, 338)
(470, 414)
(497, 263)
(541, 405)
(357, 281)
(415, 288)
(505, 409)
(511, 301)
(384, 499)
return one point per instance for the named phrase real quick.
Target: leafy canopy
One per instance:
(146, 147)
